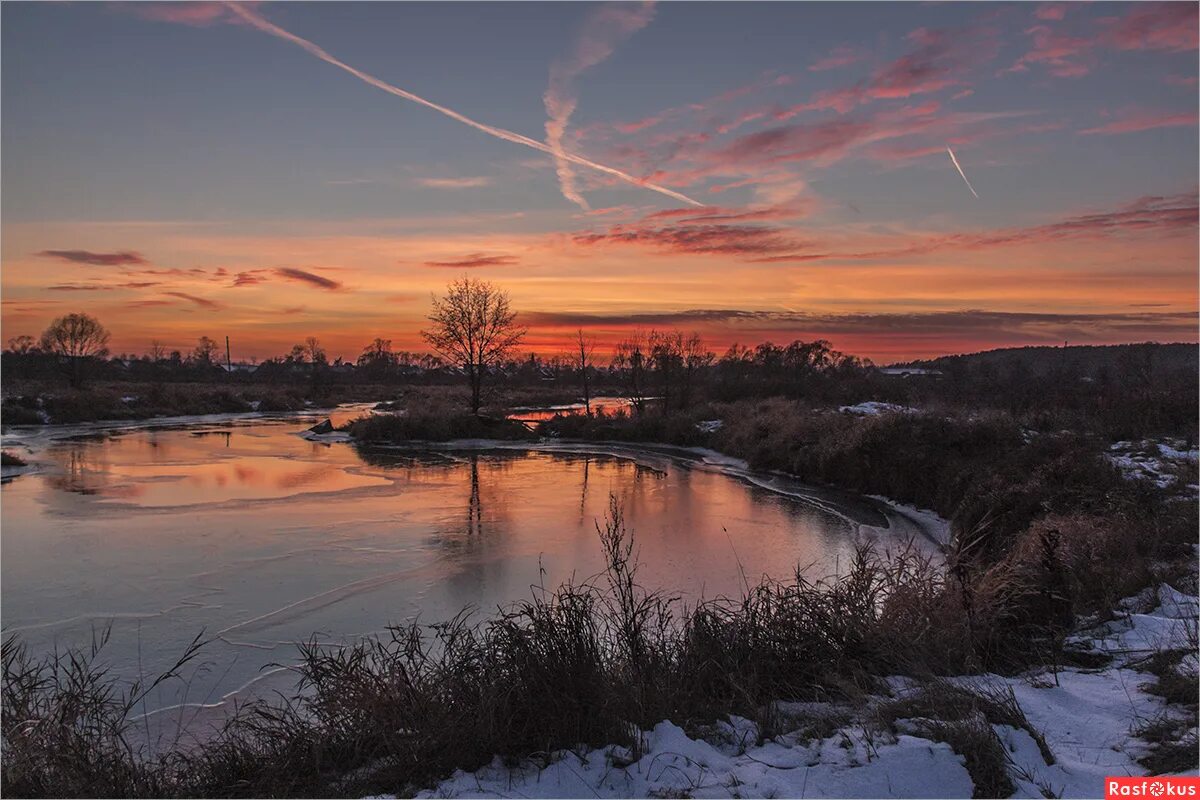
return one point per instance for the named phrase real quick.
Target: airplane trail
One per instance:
(266, 26)
(960, 172)
(605, 28)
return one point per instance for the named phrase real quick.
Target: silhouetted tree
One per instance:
(696, 359)
(75, 340)
(377, 358)
(666, 353)
(632, 359)
(207, 353)
(474, 327)
(22, 345)
(581, 359)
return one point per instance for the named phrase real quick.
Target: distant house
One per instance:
(909, 372)
(240, 367)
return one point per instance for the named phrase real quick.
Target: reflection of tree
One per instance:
(583, 489)
(81, 469)
(474, 507)
(486, 522)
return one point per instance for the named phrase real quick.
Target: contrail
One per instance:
(500, 133)
(960, 172)
(603, 30)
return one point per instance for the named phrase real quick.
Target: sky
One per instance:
(751, 171)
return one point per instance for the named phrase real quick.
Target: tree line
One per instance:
(474, 335)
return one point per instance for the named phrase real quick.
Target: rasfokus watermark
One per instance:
(1152, 787)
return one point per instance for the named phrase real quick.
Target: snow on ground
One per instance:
(1155, 461)
(1088, 719)
(873, 408)
(672, 764)
(931, 522)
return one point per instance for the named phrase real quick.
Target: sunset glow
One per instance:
(179, 170)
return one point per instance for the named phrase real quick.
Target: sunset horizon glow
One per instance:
(178, 172)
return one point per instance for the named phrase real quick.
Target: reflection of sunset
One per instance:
(116, 470)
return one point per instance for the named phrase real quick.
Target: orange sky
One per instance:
(1122, 276)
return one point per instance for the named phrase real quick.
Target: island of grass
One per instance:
(8, 459)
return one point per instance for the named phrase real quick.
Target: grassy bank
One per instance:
(39, 404)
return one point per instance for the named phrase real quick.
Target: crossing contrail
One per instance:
(257, 21)
(960, 172)
(605, 28)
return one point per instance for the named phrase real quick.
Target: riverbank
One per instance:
(1047, 732)
(813, 666)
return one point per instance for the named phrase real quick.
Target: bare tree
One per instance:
(581, 359)
(310, 352)
(158, 352)
(695, 359)
(666, 352)
(22, 345)
(75, 339)
(207, 353)
(632, 359)
(377, 357)
(474, 327)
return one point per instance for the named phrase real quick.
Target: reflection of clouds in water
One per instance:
(411, 534)
(164, 468)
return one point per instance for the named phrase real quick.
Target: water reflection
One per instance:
(599, 405)
(211, 466)
(263, 538)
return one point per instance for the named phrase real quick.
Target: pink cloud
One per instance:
(197, 14)
(938, 62)
(641, 124)
(1167, 27)
(1157, 26)
(1051, 11)
(1057, 52)
(1144, 121)
(837, 57)
(740, 233)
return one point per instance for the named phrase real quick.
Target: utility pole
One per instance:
(228, 362)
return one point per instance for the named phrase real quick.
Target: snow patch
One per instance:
(672, 764)
(1156, 461)
(873, 408)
